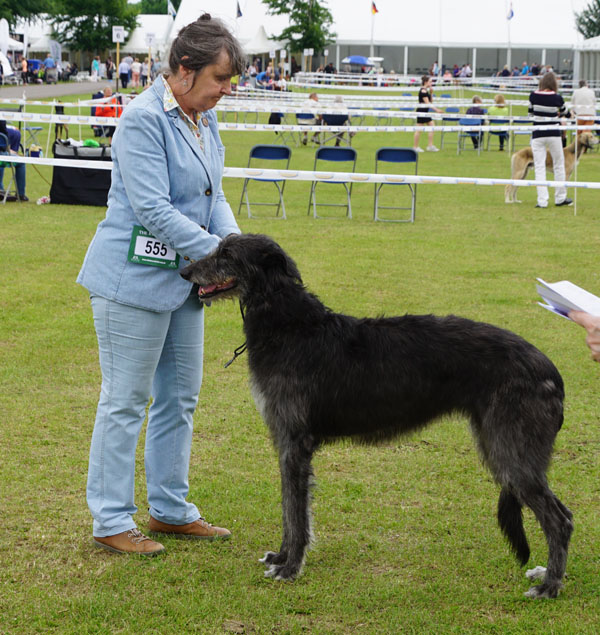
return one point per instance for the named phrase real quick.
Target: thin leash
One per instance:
(240, 349)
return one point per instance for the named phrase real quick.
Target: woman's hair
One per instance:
(548, 82)
(200, 43)
(499, 100)
(425, 79)
(476, 99)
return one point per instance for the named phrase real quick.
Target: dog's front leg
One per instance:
(296, 475)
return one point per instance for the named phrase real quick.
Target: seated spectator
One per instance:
(110, 108)
(309, 104)
(263, 80)
(499, 109)
(14, 141)
(476, 109)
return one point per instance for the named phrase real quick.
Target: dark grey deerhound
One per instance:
(317, 376)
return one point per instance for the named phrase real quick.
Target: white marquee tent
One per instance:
(402, 32)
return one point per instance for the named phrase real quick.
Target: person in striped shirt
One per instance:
(548, 107)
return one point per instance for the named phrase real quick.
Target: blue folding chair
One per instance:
(337, 120)
(399, 156)
(469, 134)
(338, 155)
(282, 154)
(451, 118)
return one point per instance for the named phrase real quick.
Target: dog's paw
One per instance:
(281, 572)
(271, 557)
(544, 590)
(537, 573)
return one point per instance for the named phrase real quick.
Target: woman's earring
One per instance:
(185, 82)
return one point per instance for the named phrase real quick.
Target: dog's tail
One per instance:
(510, 519)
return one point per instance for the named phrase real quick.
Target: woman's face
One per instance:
(209, 86)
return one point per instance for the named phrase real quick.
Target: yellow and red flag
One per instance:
(374, 8)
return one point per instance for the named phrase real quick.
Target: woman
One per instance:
(425, 97)
(166, 208)
(96, 68)
(547, 107)
(136, 69)
(499, 110)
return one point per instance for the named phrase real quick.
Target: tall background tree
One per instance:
(310, 23)
(588, 21)
(155, 6)
(12, 10)
(86, 25)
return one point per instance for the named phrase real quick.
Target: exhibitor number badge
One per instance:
(145, 249)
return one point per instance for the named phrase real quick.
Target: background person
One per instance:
(583, 102)
(109, 108)
(14, 142)
(547, 106)
(148, 319)
(425, 97)
(476, 109)
(124, 73)
(499, 109)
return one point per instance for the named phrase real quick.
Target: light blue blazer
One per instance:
(163, 181)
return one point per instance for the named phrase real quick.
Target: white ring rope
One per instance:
(309, 175)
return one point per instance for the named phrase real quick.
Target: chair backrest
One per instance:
(305, 115)
(270, 152)
(452, 109)
(396, 155)
(335, 120)
(335, 153)
(446, 95)
(4, 145)
(469, 122)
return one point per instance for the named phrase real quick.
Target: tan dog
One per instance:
(522, 160)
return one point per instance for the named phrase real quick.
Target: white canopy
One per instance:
(260, 43)
(158, 25)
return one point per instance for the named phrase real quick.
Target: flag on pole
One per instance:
(171, 9)
(374, 8)
(239, 11)
(511, 13)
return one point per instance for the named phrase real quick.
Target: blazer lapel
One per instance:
(190, 139)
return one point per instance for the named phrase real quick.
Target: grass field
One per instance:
(406, 537)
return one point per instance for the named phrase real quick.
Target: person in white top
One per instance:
(583, 104)
(136, 69)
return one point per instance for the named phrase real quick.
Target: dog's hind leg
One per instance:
(557, 523)
(296, 480)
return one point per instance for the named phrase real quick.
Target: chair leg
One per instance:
(242, 197)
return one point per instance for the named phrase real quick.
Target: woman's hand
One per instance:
(591, 323)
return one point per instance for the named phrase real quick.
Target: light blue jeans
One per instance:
(144, 354)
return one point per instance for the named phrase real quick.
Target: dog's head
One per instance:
(588, 139)
(244, 266)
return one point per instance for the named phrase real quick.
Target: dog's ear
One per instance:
(279, 260)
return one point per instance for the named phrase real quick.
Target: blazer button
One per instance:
(208, 192)
(186, 257)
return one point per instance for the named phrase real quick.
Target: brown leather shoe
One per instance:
(199, 529)
(132, 541)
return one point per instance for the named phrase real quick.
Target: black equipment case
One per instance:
(80, 186)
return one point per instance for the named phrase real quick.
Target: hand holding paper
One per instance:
(563, 297)
(574, 303)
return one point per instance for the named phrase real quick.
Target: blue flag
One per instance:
(239, 11)
(511, 13)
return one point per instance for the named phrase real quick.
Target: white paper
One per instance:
(564, 296)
